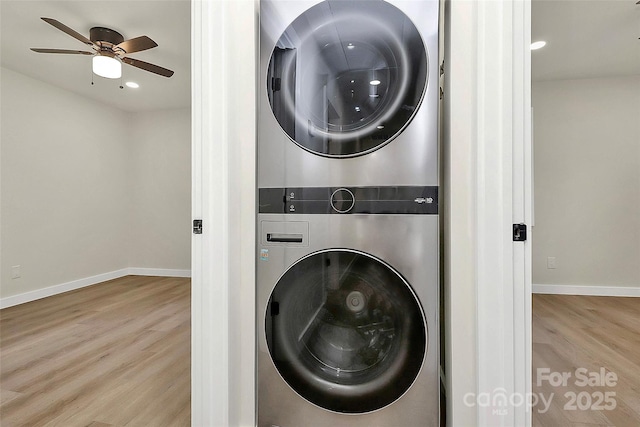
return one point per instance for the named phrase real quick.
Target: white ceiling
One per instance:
(585, 38)
(167, 22)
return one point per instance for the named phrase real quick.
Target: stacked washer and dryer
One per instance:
(348, 252)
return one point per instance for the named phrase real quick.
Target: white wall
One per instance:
(160, 189)
(587, 182)
(71, 171)
(64, 185)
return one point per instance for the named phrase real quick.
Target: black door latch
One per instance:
(519, 232)
(197, 226)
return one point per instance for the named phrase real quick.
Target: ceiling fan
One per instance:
(109, 48)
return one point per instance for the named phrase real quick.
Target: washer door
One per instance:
(345, 331)
(346, 77)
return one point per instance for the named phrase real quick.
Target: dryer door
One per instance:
(345, 331)
(346, 77)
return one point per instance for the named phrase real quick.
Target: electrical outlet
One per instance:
(551, 262)
(15, 271)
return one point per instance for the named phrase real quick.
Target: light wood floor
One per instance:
(112, 354)
(572, 332)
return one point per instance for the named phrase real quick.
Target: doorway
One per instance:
(587, 190)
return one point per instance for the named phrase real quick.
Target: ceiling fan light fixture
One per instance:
(109, 47)
(106, 66)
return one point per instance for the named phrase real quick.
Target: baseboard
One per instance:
(165, 272)
(605, 291)
(61, 288)
(88, 281)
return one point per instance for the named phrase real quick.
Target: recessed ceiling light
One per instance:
(538, 45)
(374, 82)
(132, 85)
(350, 46)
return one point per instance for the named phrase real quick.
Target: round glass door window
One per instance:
(345, 331)
(346, 77)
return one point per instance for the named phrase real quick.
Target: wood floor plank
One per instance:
(571, 332)
(113, 354)
(7, 395)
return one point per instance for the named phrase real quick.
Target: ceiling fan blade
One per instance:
(136, 45)
(59, 25)
(148, 67)
(71, 52)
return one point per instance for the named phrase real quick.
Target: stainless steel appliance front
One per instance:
(347, 270)
(348, 93)
(347, 319)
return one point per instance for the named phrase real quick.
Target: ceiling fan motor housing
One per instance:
(101, 34)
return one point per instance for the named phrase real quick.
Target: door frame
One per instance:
(223, 64)
(224, 52)
(503, 168)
